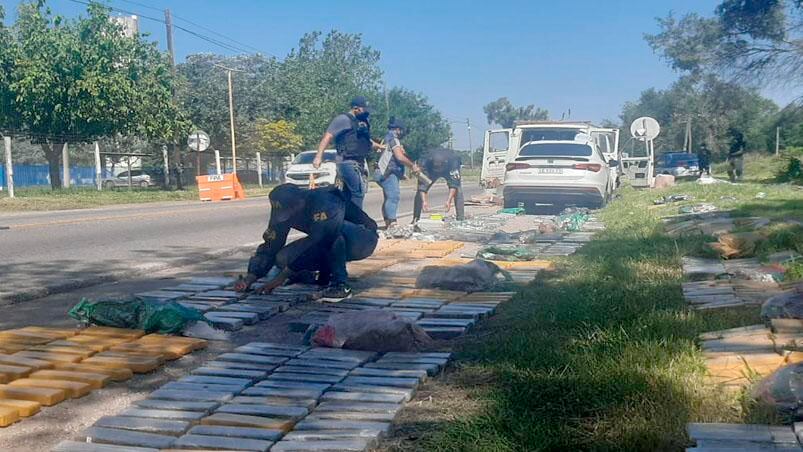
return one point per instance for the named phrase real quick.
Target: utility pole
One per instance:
(470, 148)
(98, 172)
(231, 121)
(171, 51)
(777, 141)
(65, 157)
(9, 167)
(259, 168)
(231, 116)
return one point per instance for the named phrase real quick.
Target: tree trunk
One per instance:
(53, 156)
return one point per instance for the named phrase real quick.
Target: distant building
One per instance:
(130, 25)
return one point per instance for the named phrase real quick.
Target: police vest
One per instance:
(355, 143)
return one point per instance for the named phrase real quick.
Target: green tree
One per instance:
(8, 56)
(278, 138)
(78, 80)
(316, 81)
(503, 113)
(426, 126)
(754, 40)
(712, 105)
(204, 96)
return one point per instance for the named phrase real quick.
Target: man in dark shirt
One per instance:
(704, 157)
(439, 163)
(736, 156)
(337, 232)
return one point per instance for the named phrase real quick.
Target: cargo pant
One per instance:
(355, 242)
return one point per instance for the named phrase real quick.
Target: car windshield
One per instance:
(555, 150)
(549, 134)
(306, 158)
(679, 158)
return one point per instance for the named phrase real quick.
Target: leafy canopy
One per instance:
(503, 113)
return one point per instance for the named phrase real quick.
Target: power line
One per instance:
(161, 21)
(197, 25)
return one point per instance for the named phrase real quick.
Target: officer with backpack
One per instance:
(390, 170)
(351, 133)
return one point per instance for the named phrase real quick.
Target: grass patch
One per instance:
(38, 198)
(601, 354)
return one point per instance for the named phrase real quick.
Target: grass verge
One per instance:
(38, 199)
(600, 354)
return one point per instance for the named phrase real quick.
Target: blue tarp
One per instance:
(38, 175)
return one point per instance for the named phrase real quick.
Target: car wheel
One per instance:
(144, 184)
(108, 185)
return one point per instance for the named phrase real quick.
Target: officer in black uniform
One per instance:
(337, 232)
(351, 132)
(440, 162)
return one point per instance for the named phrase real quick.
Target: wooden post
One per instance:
(98, 172)
(259, 168)
(9, 168)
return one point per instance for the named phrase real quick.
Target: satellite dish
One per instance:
(645, 129)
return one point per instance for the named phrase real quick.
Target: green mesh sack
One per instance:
(151, 316)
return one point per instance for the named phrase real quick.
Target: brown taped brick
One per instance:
(8, 416)
(62, 332)
(108, 331)
(95, 380)
(140, 352)
(14, 360)
(45, 396)
(73, 389)
(50, 356)
(25, 408)
(138, 365)
(115, 374)
(97, 343)
(15, 371)
(77, 351)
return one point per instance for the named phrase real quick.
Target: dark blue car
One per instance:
(678, 164)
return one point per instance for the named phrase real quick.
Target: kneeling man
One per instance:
(337, 231)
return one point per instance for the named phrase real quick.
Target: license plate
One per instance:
(550, 170)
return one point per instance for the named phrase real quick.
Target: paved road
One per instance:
(45, 252)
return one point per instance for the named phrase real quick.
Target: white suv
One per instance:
(299, 171)
(558, 173)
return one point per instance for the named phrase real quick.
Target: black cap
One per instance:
(282, 201)
(396, 124)
(360, 101)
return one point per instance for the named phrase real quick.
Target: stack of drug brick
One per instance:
(716, 284)
(44, 366)
(743, 437)
(738, 356)
(225, 309)
(266, 396)
(442, 314)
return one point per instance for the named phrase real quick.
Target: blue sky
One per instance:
(584, 55)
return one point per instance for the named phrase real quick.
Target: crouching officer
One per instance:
(352, 134)
(439, 163)
(337, 232)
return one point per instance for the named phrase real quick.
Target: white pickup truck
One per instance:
(552, 162)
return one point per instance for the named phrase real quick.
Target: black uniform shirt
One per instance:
(325, 210)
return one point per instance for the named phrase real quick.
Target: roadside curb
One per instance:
(116, 276)
(120, 275)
